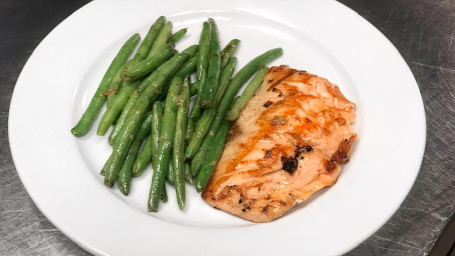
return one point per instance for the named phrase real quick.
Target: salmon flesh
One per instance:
(287, 143)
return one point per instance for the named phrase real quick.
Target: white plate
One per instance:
(60, 172)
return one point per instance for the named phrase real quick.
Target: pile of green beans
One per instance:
(148, 107)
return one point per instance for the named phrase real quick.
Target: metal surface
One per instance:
(423, 32)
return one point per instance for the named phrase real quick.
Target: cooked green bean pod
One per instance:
(193, 88)
(127, 133)
(229, 51)
(149, 39)
(157, 121)
(123, 116)
(213, 69)
(170, 172)
(141, 54)
(213, 155)
(179, 144)
(116, 108)
(161, 164)
(188, 177)
(149, 81)
(99, 98)
(144, 158)
(146, 66)
(201, 74)
(114, 86)
(162, 39)
(178, 35)
(125, 174)
(202, 127)
(249, 91)
(185, 70)
(225, 78)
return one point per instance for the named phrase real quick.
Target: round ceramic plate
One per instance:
(61, 172)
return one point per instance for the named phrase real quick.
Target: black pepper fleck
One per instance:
(267, 103)
(301, 149)
(289, 164)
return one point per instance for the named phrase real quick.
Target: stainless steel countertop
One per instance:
(422, 30)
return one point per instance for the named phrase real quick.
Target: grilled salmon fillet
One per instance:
(288, 143)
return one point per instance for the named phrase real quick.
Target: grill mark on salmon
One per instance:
(288, 143)
(279, 80)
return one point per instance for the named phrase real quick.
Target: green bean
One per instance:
(234, 86)
(204, 49)
(249, 91)
(188, 177)
(193, 88)
(179, 144)
(99, 98)
(125, 174)
(201, 74)
(195, 112)
(115, 84)
(183, 71)
(190, 126)
(147, 82)
(118, 155)
(127, 133)
(157, 121)
(161, 39)
(146, 66)
(196, 162)
(202, 127)
(103, 169)
(144, 158)
(223, 84)
(187, 68)
(123, 116)
(191, 50)
(161, 165)
(178, 35)
(149, 39)
(213, 156)
(229, 51)
(234, 101)
(141, 54)
(225, 78)
(116, 108)
(213, 69)
(170, 172)
(163, 196)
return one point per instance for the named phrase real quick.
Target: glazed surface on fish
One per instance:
(288, 143)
